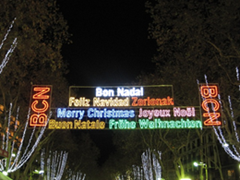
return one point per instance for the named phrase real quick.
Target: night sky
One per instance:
(110, 41)
(110, 47)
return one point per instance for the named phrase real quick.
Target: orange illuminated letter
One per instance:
(38, 120)
(209, 91)
(39, 95)
(210, 101)
(212, 120)
(40, 110)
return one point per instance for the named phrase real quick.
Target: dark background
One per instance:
(110, 41)
(110, 46)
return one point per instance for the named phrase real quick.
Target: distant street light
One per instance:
(204, 166)
(225, 145)
(195, 164)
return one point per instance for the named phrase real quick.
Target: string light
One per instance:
(138, 173)
(10, 50)
(56, 163)
(8, 55)
(76, 175)
(42, 163)
(15, 163)
(237, 74)
(151, 165)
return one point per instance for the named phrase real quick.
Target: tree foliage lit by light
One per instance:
(151, 165)
(55, 164)
(11, 142)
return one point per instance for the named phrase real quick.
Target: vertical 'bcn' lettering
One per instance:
(210, 105)
(40, 105)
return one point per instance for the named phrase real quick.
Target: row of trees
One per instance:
(35, 33)
(198, 42)
(194, 38)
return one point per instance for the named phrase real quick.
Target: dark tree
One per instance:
(41, 31)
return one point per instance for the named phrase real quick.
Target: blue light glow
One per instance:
(110, 113)
(70, 113)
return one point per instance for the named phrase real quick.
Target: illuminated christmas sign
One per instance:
(210, 104)
(76, 124)
(136, 118)
(121, 96)
(121, 108)
(120, 91)
(40, 102)
(156, 124)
